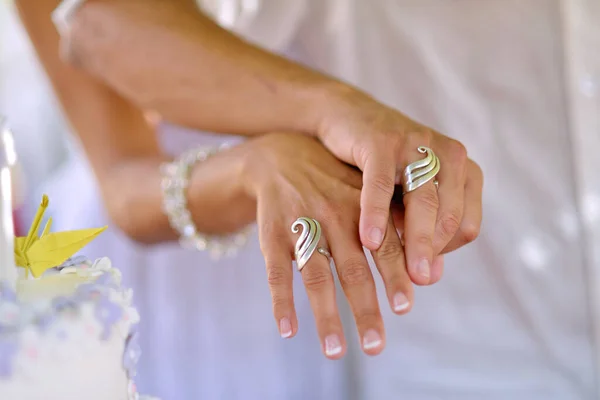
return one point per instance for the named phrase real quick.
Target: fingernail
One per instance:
(285, 327)
(371, 340)
(401, 302)
(333, 345)
(376, 236)
(423, 268)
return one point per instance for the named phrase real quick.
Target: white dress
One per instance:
(516, 314)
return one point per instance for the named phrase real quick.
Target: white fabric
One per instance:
(27, 101)
(515, 316)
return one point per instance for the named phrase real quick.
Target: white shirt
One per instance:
(517, 314)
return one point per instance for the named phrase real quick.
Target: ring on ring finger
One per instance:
(422, 171)
(308, 241)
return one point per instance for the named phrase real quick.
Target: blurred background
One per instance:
(42, 139)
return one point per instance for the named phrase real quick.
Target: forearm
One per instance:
(169, 57)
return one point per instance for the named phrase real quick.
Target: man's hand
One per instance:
(381, 142)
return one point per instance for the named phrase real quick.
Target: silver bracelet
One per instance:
(175, 181)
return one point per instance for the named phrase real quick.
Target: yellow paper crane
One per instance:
(37, 254)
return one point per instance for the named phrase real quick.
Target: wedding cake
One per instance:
(67, 326)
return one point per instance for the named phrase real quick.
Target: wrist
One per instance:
(216, 194)
(333, 101)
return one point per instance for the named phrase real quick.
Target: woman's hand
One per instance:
(381, 142)
(293, 176)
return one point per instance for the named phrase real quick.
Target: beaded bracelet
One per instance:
(175, 180)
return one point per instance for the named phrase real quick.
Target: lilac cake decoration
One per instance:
(98, 309)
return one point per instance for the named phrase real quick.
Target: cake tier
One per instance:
(69, 335)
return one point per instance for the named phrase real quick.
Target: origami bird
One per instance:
(38, 253)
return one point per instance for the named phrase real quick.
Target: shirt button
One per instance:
(589, 86)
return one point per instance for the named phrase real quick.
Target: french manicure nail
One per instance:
(376, 236)
(333, 345)
(285, 327)
(424, 269)
(400, 302)
(371, 340)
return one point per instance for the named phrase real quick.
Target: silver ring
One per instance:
(308, 241)
(420, 172)
(324, 251)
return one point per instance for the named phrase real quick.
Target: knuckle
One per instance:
(390, 251)
(383, 183)
(298, 206)
(316, 279)
(469, 232)
(476, 169)
(270, 228)
(456, 150)
(281, 303)
(428, 200)
(423, 239)
(354, 271)
(353, 197)
(361, 154)
(426, 135)
(269, 237)
(276, 277)
(379, 212)
(330, 213)
(450, 222)
(367, 317)
(419, 133)
(413, 136)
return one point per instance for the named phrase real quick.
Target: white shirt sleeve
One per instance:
(271, 24)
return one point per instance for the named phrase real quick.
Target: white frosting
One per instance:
(76, 369)
(75, 356)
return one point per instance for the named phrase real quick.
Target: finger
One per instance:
(390, 262)
(451, 193)
(320, 287)
(421, 208)
(359, 286)
(378, 187)
(437, 267)
(275, 246)
(472, 214)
